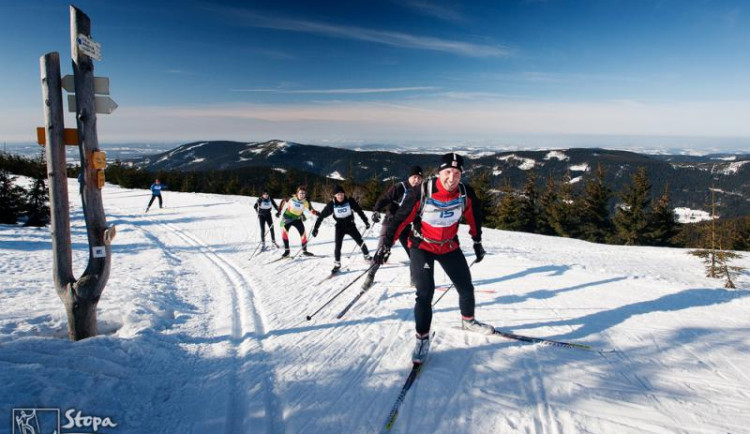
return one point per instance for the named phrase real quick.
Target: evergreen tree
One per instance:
(373, 190)
(232, 186)
(546, 204)
(529, 210)
(596, 225)
(11, 199)
(480, 182)
(562, 216)
(631, 218)
(37, 200)
(743, 235)
(509, 210)
(662, 226)
(189, 182)
(714, 254)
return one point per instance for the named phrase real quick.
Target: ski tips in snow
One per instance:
(416, 368)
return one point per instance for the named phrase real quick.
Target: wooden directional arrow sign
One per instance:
(101, 84)
(104, 105)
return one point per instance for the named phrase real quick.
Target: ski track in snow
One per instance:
(246, 322)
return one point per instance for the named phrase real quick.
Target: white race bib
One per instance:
(297, 206)
(342, 211)
(442, 214)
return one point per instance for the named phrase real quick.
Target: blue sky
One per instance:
(503, 72)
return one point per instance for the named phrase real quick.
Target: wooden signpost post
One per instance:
(80, 296)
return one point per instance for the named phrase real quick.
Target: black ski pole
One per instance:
(451, 286)
(309, 317)
(258, 245)
(349, 256)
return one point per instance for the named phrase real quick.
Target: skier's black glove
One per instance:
(278, 214)
(315, 232)
(381, 254)
(367, 225)
(479, 251)
(375, 217)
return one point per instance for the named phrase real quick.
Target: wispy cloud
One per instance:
(272, 54)
(441, 12)
(179, 72)
(384, 37)
(354, 91)
(558, 77)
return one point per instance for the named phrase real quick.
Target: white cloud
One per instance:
(434, 10)
(397, 39)
(354, 91)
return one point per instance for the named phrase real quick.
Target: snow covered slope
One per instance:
(197, 338)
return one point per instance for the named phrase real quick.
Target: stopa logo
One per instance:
(77, 420)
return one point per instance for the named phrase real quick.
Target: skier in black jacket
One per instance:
(390, 203)
(263, 207)
(343, 208)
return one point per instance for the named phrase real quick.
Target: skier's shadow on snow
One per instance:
(543, 294)
(598, 322)
(553, 270)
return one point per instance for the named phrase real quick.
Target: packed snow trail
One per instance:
(195, 337)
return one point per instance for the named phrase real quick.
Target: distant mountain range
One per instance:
(690, 178)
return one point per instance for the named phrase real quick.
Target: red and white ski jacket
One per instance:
(436, 217)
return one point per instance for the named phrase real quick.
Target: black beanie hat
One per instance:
(415, 170)
(451, 160)
(338, 189)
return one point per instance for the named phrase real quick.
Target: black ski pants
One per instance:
(293, 223)
(265, 219)
(403, 238)
(351, 230)
(423, 272)
(152, 200)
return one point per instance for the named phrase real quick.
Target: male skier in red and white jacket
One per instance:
(434, 211)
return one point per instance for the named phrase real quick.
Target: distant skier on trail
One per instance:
(390, 202)
(263, 207)
(156, 189)
(435, 211)
(293, 209)
(343, 208)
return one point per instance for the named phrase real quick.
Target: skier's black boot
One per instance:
(368, 282)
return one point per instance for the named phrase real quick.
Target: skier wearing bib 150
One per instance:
(435, 210)
(263, 207)
(293, 210)
(390, 202)
(343, 208)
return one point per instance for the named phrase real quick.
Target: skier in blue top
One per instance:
(156, 189)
